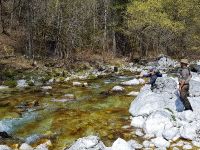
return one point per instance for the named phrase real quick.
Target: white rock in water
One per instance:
(4, 147)
(46, 88)
(77, 84)
(121, 144)
(187, 147)
(138, 122)
(131, 82)
(22, 83)
(175, 148)
(133, 93)
(156, 122)
(88, 143)
(25, 146)
(160, 142)
(2, 87)
(134, 144)
(118, 89)
(85, 84)
(188, 131)
(169, 134)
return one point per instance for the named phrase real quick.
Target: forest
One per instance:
(133, 28)
(99, 74)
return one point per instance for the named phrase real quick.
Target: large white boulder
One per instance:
(156, 123)
(166, 62)
(121, 144)
(145, 103)
(88, 143)
(164, 96)
(161, 142)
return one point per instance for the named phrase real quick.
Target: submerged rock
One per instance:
(131, 82)
(88, 143)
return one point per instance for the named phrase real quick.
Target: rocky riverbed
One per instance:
(94, 105)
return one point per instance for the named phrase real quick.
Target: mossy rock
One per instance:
(31, 83)
(10, 83)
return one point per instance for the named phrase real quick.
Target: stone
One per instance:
(187, 147)
(188, 131)
(142, 81)
(156, 122)
(44, 146)
(88, 143)
(169, 134)
(139, 132)
(121, 144)
(131, 82)
(25, 146)
(195, 143)
(161, 142)
(22, 84)
(188, 116)
(2, 87)
(77, 84)
(146, 144)
(118, 89)
(46, 87)
(135, 145)
(138, 122)
(194, 87)
(4, 147)
(133, 93)
(175, 148)
(166, 62)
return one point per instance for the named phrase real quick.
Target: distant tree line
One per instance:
(133, 28)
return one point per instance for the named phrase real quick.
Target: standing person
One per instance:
(184, 79)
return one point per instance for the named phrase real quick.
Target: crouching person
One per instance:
(153, 74)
